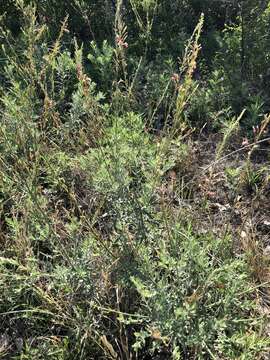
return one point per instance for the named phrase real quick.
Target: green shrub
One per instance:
(193, 300)
(97, 259)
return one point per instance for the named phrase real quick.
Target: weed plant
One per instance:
(96, 261)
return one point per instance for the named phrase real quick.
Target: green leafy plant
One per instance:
(107, 248)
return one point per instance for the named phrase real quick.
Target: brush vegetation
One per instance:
(134, 179)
